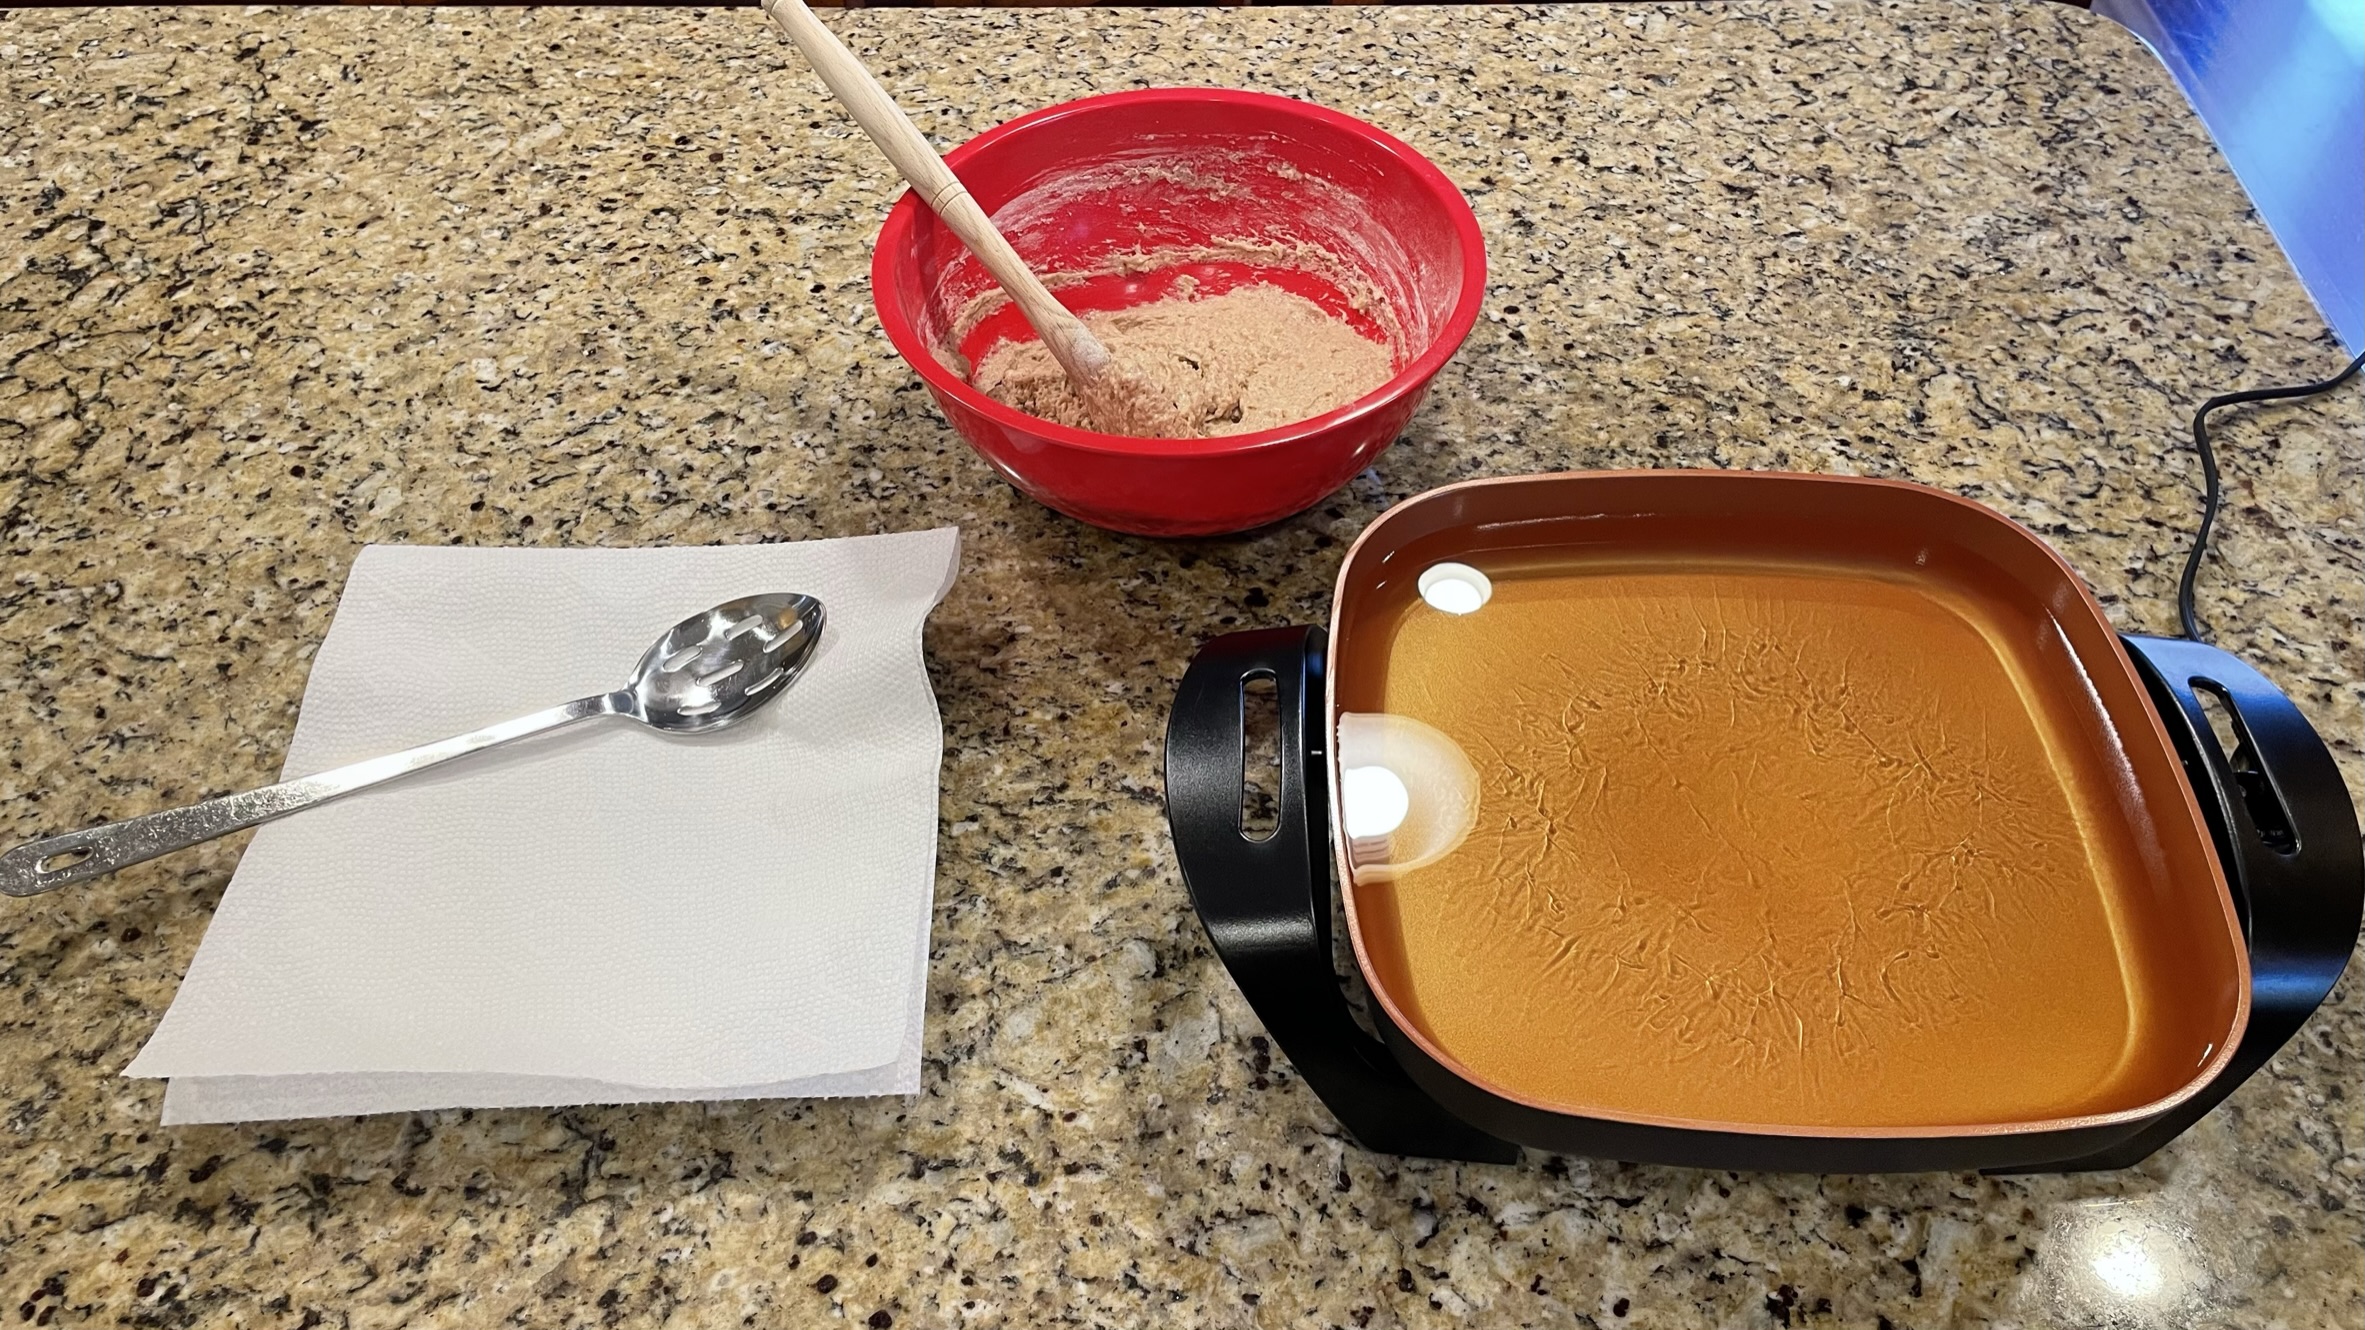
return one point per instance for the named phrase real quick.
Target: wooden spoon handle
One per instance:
(1063, 334)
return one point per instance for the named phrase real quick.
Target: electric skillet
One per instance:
(1759, 821)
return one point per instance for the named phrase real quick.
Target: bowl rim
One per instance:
(904, 216)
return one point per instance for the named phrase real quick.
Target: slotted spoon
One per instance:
(708, 671)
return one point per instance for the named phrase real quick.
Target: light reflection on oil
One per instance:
(1455, 588)
(1408, 794)
(1375, 801)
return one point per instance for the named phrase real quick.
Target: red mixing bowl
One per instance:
(1223, 188)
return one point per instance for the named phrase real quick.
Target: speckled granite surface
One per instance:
(276, 284)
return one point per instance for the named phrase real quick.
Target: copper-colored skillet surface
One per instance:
(1767, 803)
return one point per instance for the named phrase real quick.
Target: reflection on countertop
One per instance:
(2136, 1263)
(281, 283)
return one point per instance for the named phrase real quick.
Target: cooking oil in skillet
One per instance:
(1754, 843)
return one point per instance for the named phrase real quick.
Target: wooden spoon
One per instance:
(1115, 398)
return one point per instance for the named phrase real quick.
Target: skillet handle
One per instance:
(2287, 836)
(1266, 903)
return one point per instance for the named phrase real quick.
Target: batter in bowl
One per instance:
(1250, 359)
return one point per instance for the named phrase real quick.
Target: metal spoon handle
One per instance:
(91, 852)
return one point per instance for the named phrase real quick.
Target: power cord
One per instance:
(2211, 491)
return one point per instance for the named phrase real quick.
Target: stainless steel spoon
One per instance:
(706, 672)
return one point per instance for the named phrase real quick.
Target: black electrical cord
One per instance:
(2210, 492)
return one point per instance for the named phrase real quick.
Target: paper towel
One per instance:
(604, 914)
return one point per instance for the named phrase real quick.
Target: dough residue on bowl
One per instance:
(1253, 358)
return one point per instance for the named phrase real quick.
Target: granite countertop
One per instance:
(278, 283)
